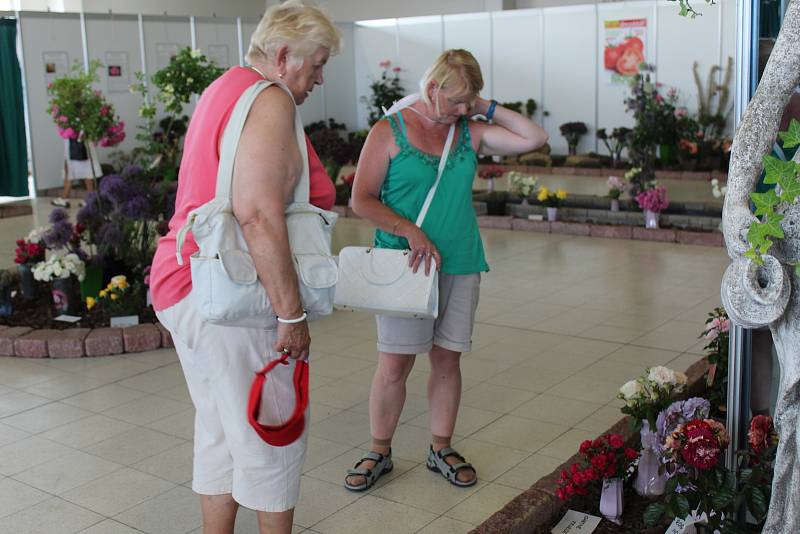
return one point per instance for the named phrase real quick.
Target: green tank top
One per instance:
(451, 223)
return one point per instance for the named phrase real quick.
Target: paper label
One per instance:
(68, 318)
(676, 527)
(125, 320)
(576, 522)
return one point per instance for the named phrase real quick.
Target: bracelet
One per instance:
(490, 111)
(293, 321)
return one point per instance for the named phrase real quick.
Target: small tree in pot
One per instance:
(572, 132)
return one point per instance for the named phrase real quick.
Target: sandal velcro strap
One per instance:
(360, 471)
(437, 462)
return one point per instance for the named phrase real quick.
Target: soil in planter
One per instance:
(39, 313)
(632, 516)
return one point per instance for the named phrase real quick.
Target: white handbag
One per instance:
(225, 285)
(379, 280)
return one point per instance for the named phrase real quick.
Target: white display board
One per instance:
(47, 38)
(420, 41)
(163, 38)
(340, 81)
(375, 41)
(217, 39)
(517, 75)
(471, 32)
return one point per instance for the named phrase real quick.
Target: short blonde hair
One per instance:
(300, 25)
(455, 69)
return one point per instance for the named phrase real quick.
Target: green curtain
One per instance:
(13, 147)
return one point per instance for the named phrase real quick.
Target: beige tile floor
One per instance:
(103, 446)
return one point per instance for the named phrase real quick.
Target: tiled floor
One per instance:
(103, 446)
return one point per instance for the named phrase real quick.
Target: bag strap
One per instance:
(406, 102)
(233, 132)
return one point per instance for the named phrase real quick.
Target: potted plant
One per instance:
(551, 200)
(386, 90)
(522, 184)
(8, 282)
(29, 252)
(64, 270)
(605, 464)
(119, 301)
(616, 187)
(572, 132)
(716, 333)
(615, 143)
(644, 398)
(653, 201)
(489, 174)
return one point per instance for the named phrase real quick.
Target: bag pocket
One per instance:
(222, 300)
(317, 276)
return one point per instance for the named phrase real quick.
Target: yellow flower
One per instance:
(114, 296)
(103, 293)
(90, 302)
(561, 194)
(119, 281)
(543, 194)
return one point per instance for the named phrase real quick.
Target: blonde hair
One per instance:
(455, 69)
(300, 25)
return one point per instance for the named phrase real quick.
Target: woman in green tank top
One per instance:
(396, 170)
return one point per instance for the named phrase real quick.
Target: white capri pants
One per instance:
(219, 363)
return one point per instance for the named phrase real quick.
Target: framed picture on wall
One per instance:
(55, 65)
(164, 53)
(624, 48)
(118, 78)
(219, 54)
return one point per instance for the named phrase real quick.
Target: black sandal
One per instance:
(383, 464)
(436, 462)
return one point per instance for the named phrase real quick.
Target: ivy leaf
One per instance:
(797, 268)
(756, 257)
(772, 224)
(790, 188)
(765, 202)
(791, 137)
(775, 168)
(653, 513)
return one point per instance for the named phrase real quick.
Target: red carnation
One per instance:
(599, 461)
(616, 441)
(631, 454)
(702, 448)
(561, 494)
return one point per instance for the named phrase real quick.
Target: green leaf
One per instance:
(775, 168)
(682, 504)
(653, 513)
(721, 498)
(757, 503)
(755, 256)
(671, 485)
(791, 137)
(719, 475)
(790, 188)
(745, 474)
(765, 202)
(772, 223)
(797, 269)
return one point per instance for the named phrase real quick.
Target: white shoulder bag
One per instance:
(379, 280)
(225, 285)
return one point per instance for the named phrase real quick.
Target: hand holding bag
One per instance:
(225, 285)
(379, 280)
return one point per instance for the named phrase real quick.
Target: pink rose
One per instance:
(713, 334)
(725, 325)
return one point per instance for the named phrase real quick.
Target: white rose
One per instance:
(631, 389)
(57, 271)
(662, 375)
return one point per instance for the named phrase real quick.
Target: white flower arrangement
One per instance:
(647, 395)
(523, 184)
(59, 265)
(37, 234)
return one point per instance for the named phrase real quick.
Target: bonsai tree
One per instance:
(572, 132)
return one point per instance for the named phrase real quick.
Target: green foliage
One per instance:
(386, 90)
(188, 73)
(791, 138)
(687, 10)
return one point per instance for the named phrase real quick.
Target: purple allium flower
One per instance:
(110, 236)
(131, 170)
(89, 213)
(115, 188)
(138, 207)
(59, 235)
(58, 215)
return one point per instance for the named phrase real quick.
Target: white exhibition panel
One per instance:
(518, 45)
(683, 41)
(46, 34)
(611, 112)
(340, 81)
(472, 32)
(114, 40)
(374, 42)
(248, 29)
(569, 72)
(420, 40)
(163, 37)
(217, 39)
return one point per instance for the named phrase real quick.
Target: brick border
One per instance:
(703, 176)
(25, 342)
(538, 506)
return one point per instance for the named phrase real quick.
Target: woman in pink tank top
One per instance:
(232, 465)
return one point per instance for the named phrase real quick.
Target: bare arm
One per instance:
(511, 133)
(266, 169)
(370, 173)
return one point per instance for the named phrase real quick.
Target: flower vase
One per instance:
(651, 219)
(5, 301)
(611, 503)
(490, 185)
(614, 204)
(65, 296)
(552, 213)
(649, 483)
(27, 284)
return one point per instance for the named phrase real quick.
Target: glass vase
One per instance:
(651, 219)
(66, 297)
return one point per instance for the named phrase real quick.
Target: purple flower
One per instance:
(696, 408)
(89, 213)
(58, 215)
(115, 188)
(138, 207)
(110, 236)
(59, 234)
(131, 170)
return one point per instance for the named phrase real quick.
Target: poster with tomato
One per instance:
(623, 48)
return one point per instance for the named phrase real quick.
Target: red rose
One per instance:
(599, 461)
(570, 489)
(702, 448)
(590, 474)
(761, 432)
(350, 178)
(573, 468)
(561, 494)
(564, 474)
(610, 472)
(585, 446)
(581, 491)
(577, 479)
(616, 441)
(631, 454)
(597, 443)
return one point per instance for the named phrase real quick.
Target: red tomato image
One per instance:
(628, 63)
(633, 42)
(611, 55)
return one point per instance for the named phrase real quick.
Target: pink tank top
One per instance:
(197, 182)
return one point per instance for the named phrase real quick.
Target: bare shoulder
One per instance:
(275, 103)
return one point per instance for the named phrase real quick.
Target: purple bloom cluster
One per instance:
(61, 230)
(678, 413)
